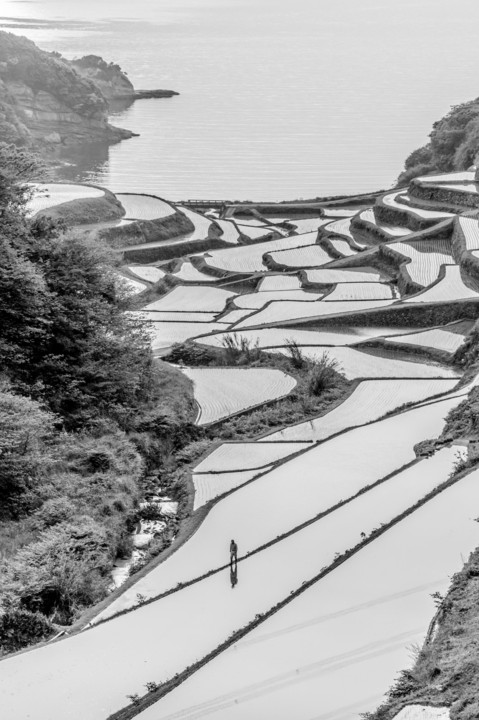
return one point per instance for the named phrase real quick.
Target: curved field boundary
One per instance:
(46, 196)
(449, 287)
(398, 314)
(353, 291)
(227, 392)
(390, 210)
(279, 313)
(192, 298)
(297, 258)
(421, 267)
(239, 456)
(146, 273)
(137, 206)
(320, 278)
(248, 259)
(418, 711)
(440, 194)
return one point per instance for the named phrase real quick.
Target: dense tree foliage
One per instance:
(454, 144)
(86, 414)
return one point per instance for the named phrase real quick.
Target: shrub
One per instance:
(193, 451)
(188, 353)
(55, 511)
(20, 628)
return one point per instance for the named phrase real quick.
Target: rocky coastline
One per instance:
(48, 103)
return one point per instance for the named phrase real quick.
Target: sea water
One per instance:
(280, 99)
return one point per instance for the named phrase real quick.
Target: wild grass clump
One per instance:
(296, 355)
(239, 350)
(323, 374)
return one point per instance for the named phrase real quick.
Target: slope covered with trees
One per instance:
(454, 143)
(85, 412)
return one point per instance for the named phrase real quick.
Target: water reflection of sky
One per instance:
(278, 99)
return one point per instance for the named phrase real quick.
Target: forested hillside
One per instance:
(454, 144)
(84, 413)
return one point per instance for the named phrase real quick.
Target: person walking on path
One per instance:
(233, 550)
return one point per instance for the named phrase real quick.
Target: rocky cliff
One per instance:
(47, 102)
(112, 80)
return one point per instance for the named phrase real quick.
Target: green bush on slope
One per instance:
(454, 143)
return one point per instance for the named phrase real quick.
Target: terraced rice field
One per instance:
(303, 257)
(436, 339)
(342, 247)
(260, 299)
(294, 500)
(274, 570)
(327, 276)
(273, 283)
(371, 400)
(109, 646)
(230, 231)
(327, 640)
(221, 392)
(392, 230)
(341, 227)
(48, 195)
(470, 229)
(449, 288)
(279, 337)
(457, 177)
(304, 225)
(283, 311)
(249, 258)
(188, 273)
(253, 232)
(423, 712)
(249, 221)
(183, 299)
(319, 478)
(202, 224)
(236, 456)
(424, 266)
(392, 201)
(144, 207)
(150, 273)
(156, 316)
(165, 334)
(209, 486)
(360, 291)
(340, 212)
(357, 364)
(234, 316)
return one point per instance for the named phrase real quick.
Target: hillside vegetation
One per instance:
(86, 417)
(45, 102)
(453, 145)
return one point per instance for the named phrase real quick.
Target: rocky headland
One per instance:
(48, 103)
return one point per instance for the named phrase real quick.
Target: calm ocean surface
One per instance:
(280, 99)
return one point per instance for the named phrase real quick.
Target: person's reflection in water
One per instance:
(233, 573)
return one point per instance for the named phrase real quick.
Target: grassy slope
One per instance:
(446, 671)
